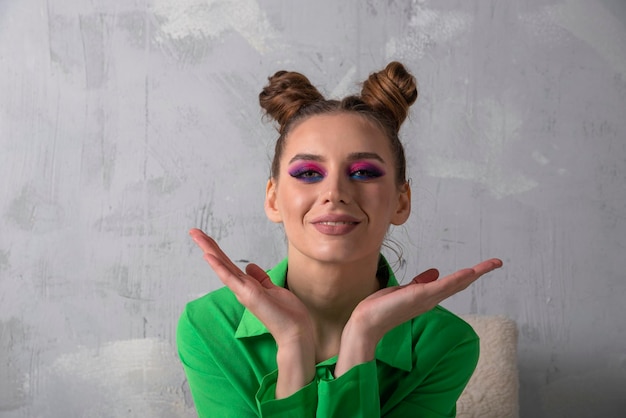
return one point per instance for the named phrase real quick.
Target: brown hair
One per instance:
(289, 98)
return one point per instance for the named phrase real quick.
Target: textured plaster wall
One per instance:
(124, 123)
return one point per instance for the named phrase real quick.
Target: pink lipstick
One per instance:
(335, 224)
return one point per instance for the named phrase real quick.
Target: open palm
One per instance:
(391, 306)
(284, 315)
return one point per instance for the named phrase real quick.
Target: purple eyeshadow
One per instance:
(365, 171)
(307, 172)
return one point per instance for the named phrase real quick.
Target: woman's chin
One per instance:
(337, 254)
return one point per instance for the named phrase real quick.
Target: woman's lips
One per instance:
(335, 224)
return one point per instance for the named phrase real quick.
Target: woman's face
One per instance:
(336, 193)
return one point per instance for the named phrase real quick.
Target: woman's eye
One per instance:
(307, 176)
(309, 173)
(365, 174)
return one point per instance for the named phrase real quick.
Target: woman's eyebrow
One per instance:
(365, 156)
(306, 157)
(355, 156)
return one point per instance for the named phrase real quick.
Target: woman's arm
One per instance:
(213, 393)
(437, 394)
(230, 376)
(430, 393)
(376, 315)
(284, 315)
(296, 366)
(389, 307)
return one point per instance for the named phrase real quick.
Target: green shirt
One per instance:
(229, 356)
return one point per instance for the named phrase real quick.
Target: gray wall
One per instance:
(125, 123)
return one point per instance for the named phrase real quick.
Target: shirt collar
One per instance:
(395, 348)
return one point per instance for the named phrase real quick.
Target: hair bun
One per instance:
(390, 92)
(286, 93)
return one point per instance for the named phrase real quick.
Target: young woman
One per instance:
(328, 332)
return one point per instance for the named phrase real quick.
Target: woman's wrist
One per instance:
(357, 347)
(296, 367)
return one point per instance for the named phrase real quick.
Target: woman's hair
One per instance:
(289, 98)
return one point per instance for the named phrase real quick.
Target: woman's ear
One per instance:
(271, 208)
(403, 208)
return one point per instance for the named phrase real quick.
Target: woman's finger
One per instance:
(203, 241)
(232, 280)
(461, 279)
(427, 276)
(209, 246)
(487, 266)
(259, 275)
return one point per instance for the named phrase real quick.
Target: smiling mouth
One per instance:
(336, 223)
(335, 227)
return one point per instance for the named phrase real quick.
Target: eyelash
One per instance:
(312, 174)
(368, 172)
(307, 174)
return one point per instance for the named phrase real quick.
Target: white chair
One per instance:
(492, 392)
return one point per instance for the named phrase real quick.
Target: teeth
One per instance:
(337, 223)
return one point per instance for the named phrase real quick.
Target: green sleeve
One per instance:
(437, 395)
(353, 394)
(356, 393)
(213, 394)
(301, 404)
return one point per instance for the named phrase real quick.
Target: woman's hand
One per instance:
(382, 311)
(284, 315)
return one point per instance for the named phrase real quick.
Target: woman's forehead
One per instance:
(344, 135)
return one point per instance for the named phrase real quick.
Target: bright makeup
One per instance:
(363, 171)
(307, 172)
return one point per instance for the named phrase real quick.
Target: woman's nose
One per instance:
(336, 189)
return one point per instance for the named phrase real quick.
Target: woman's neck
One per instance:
(331, 291)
